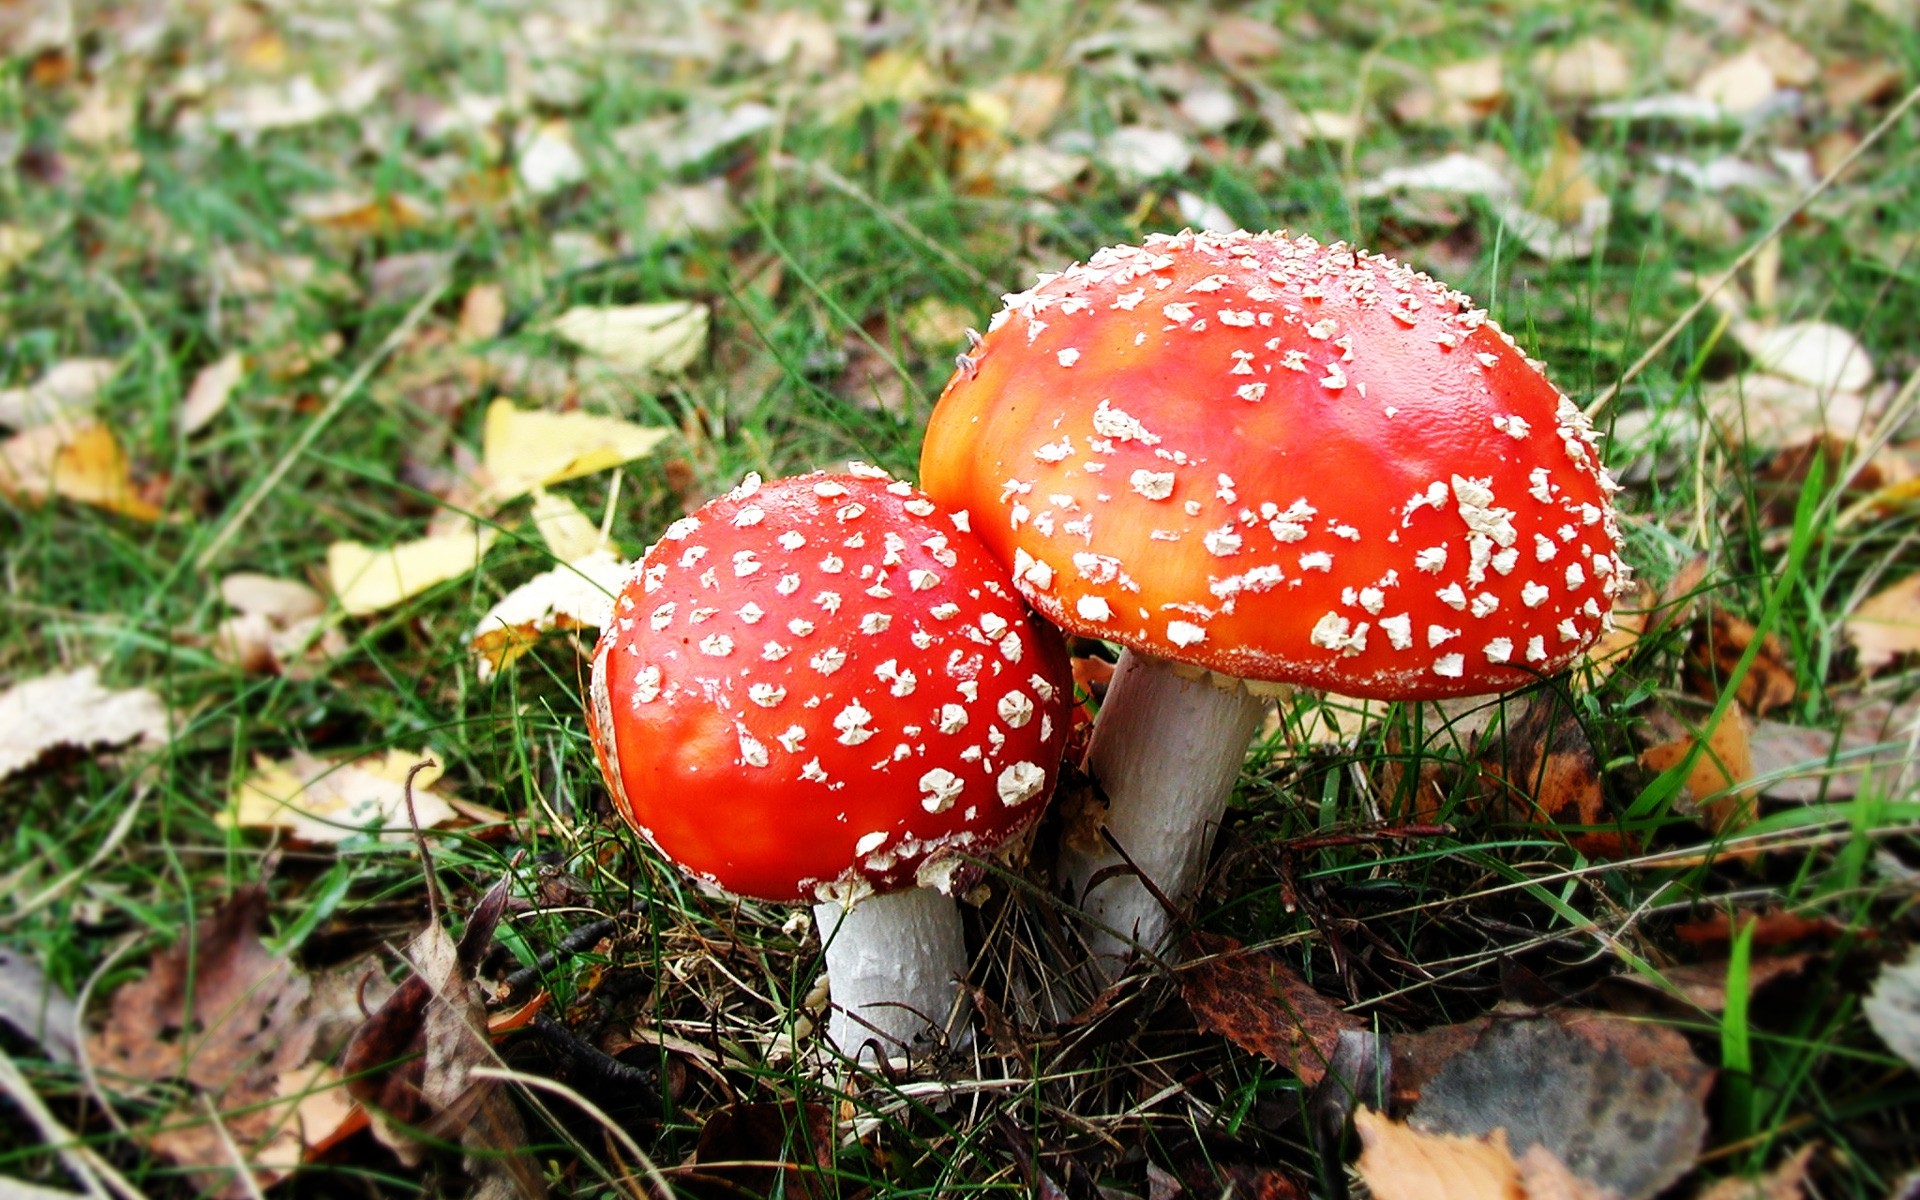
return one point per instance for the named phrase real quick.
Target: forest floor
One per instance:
(327, 327)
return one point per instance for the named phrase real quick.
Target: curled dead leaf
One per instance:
(1717, 781)
(1544, 771)
(1886, 626)
(222, 1014)
(1258, 1002)
(1718, 644)
(73, 709)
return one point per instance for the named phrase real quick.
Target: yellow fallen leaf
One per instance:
(567, 531)
(523, 449)
(322, 802)
(354, 212)
(77, 460)
(1887, 625)
(664, 338)
(369, 579)
(574, 595)
(1401, 1163)
(72, 709)
(17, 244)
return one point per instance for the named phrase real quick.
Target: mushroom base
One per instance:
(892, 963)
(1166, 750)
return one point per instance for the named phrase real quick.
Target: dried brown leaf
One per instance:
(1591, 68)
(412, 1063)
(225, 1016)
(1258, 1002)
(762, 1149)
(68, 389)
(1716, 781)
(1545, 771)
(1718, 643)
(1622, 1108)
(1886, 626)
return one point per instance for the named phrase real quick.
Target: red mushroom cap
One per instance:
(1282, 461)
(823, 684)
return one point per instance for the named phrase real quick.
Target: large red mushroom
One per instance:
(1252, 457)
(825, 690)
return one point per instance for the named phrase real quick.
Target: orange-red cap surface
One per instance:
(823, 684)
(1282, 461)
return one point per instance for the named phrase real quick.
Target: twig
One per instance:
(573, 943)
(591, 1060)
(1779, 226)
(420, 840)
(348, 391)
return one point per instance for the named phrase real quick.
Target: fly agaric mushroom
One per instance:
(825, 689)
(1252, 457)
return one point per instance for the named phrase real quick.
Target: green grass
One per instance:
(137, 265)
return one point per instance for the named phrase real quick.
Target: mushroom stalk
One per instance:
(1166, 750)
(893, 962)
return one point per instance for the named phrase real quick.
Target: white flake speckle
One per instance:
(717, 645)
(1110, 422)
(1020, 783)
(1399, 630)
(766, 695)
(1500, 650)
(829, 660)
(1154, 485)
(1222, 541)
(939, 788)
(1450, 666)
(1533, 595)
(1185, 633)
(851, 721)
(1433, 559)
(752, 753)
(1317, 560)
(1068, 357)
(646, 685)
(1093, 608)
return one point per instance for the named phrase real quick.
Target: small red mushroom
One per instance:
(1277, 461)
(825, 689)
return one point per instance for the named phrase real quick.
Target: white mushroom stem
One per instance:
(1166, 750)
(892, 964)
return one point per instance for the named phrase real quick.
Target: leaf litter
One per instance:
(219, 1035)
